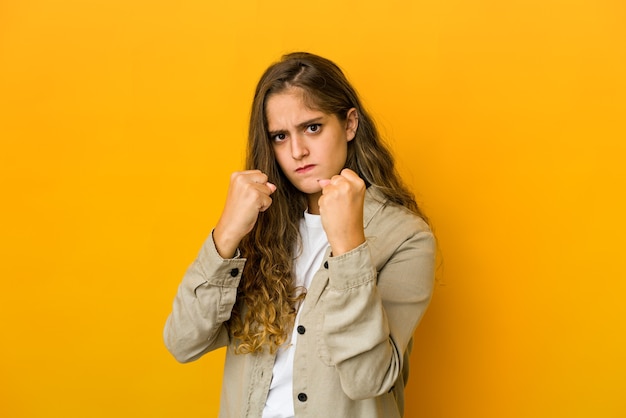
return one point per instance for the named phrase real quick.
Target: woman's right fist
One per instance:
(248, 194)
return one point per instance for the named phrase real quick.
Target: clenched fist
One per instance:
(341, 209)
(248, 195)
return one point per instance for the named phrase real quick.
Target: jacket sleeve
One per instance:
(370, 315)
(202, 305)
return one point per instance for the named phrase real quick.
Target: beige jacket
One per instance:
(355, 330)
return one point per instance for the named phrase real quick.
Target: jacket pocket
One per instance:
(322, 349)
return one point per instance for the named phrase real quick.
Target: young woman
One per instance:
(320, 266)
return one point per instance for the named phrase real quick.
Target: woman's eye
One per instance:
(279, 137)
(314, 128)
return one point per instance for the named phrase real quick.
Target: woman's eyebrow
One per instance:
(310, 122)
(301, 125)
(274, 133)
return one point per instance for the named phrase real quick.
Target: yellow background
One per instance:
(120, 122)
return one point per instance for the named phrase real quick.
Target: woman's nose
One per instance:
(299, 149)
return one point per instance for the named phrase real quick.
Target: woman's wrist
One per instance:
(225, 244)
(347, 245)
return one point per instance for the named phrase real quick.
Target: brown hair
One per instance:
(265, 309)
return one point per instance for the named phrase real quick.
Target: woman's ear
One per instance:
(352, 123)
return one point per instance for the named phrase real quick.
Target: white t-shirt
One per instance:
(279, 403)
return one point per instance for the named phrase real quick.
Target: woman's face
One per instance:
(309, 144)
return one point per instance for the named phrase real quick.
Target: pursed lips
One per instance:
(305, 168)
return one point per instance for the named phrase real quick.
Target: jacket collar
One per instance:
(374, 201)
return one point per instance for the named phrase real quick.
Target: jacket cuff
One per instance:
(219, 271)
(351, 269)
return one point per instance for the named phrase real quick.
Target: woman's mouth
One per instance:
(305, 169)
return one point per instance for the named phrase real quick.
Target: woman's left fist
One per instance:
(341, 209)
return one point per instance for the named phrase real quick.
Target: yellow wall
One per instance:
(120, 122)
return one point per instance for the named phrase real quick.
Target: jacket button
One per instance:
(325, 264)
(302, 397)
(234, 272)
(301, 329)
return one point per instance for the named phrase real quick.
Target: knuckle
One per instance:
(240, 178)
(344, 186)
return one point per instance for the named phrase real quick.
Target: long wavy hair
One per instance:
(267, 298)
